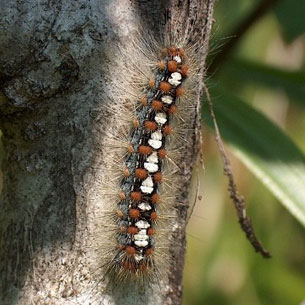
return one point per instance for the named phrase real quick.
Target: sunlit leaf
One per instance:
(238, 72)
(265, 150)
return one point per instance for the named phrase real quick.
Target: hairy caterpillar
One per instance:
(153, 116)
(140, 190)
(154, 112)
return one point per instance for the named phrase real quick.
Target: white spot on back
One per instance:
(148, 182)
(153, 158)
(157, 135)
(160, 118)
(175, 79)
(138, 257)
(142, 224)
(146, 189)
(147, 186)
(167, 99)
(151, 167)
(155, 143)
(152, 163)
(142, 235)
(177, 59)
(144, 206)
(141, 243)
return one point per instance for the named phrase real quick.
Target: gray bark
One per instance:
(55, 59)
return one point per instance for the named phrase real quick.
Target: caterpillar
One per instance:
(154, 112)
(152, 118)
(137, 208)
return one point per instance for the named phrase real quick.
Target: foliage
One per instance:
(258, 95)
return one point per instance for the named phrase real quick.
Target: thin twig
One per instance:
(237, 199)
(259, 11)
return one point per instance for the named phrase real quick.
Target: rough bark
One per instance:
(55, 61)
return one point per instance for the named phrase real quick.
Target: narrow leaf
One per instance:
(290, 14)
(247, 72)
(264, 148)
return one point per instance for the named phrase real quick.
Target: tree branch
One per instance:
(57, 62)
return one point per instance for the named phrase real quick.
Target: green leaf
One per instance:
(231, 13)
(290, 14)
(239, 71)
(265, 149)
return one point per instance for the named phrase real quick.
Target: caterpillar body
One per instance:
(154, 113)
(137, 209)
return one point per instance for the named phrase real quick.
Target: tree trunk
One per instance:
(56, 61)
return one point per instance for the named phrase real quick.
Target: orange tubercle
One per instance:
(141, 173)
(143, 266)
(126, 172)
(144, 101)
(119, 213)
(167, 129)
(153, 215)
(158, 177)
(130, 250)
(132, 230)
(165, 86)
(123, 229)
(162, 153)
(155, 198)
(184, 70)
(161, 65)
(128, 265)
(145, 150)
(180, 91)
(172, 51)
(122, 195)
(149, 252)
(136, 196)
(172, 66)
(151, 231)
(134, 213)
(150, 125)
(135, 123)
(157, 105)
(172, 109)
(152, 83)
(130, 149)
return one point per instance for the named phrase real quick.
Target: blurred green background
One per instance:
(258, 92)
